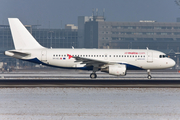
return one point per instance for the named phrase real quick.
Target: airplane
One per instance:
(113, 61)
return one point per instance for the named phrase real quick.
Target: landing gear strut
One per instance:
(149, 74)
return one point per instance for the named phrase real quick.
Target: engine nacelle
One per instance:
(116, 69)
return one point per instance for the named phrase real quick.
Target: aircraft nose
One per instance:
(171, 63)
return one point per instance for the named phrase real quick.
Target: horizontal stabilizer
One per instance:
(17, 54)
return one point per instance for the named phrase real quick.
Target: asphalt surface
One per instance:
(91, 83)
(71, 78)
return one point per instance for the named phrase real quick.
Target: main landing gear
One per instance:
(93, 75)
(149, 74)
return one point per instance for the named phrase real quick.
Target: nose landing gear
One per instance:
(149, 74)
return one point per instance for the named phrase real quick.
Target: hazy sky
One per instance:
(67, 11)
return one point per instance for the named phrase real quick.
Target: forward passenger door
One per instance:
(149, 57)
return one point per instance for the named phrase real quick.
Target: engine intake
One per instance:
(117, 69)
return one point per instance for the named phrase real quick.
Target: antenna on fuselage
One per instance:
(147, 48)
(72, 47)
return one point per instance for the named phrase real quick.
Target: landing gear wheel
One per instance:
(149, 76)
(93, 75)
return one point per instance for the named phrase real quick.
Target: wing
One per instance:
(91, 62)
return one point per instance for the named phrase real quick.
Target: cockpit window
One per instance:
(163, 56)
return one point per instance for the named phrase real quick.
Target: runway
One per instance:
(161, 79)
(92, 83)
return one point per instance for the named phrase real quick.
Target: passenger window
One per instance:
(124, 55)
(109, 55)
(91, 55)
(119, 55)
(102, 55)
(99, 55)
(94, 55)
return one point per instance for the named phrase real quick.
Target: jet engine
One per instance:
(117, 69)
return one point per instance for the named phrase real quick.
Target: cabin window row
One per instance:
(100, 55)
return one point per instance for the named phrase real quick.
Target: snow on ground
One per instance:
(89, 103)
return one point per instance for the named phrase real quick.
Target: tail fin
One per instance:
(21, 37)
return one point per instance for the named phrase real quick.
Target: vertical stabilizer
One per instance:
(21, 36)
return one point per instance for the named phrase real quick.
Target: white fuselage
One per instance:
(112, 61)
(132, 58)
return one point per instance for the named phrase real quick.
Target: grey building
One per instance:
(81, 29)
(138, 35)
(56, 38)
(102, 34)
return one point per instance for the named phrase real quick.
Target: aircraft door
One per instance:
(149, 56)
(44, 56)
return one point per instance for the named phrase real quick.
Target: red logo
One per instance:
(70, 56)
